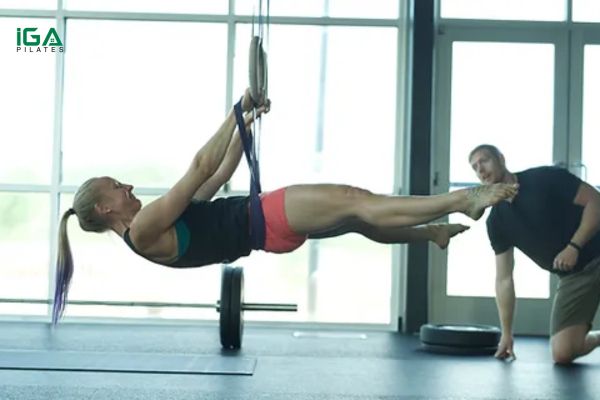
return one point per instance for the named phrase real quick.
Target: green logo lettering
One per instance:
(26, 37)
(27, 41)
(53, 38)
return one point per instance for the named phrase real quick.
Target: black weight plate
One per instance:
(460, 335)
(457, 350)
(225, 307)
(236, 322)
(241, 305)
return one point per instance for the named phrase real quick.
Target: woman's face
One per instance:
(118, 197)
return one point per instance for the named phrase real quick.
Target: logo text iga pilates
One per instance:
(29, 40)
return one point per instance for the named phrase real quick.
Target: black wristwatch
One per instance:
(573, 244)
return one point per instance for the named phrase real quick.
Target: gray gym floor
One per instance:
(336, 365)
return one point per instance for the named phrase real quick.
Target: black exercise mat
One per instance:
(126, 362)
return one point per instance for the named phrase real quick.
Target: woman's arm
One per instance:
(158, 216)
(231, 160)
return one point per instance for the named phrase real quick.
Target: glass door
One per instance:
(503, 90)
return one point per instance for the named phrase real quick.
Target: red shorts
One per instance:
(279, 236)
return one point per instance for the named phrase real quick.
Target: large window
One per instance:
(526, 10)
(26, 137)
(27, 103)
(586, 11)
(328, 140)
(139, 89)
(293, 122)
(591, 119)
(151, 6)
(142, 120)
(485, 78)
(321, 8)
(520, 75)
(330, 127)
(28, 4)
(24, 245)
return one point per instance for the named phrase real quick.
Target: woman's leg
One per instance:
(316, 208)
(440, 234)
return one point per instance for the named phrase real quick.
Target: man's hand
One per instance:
(505, 348)
(566, 259)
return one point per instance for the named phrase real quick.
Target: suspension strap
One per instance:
(257, 217)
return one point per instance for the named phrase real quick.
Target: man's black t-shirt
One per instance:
(542, 218)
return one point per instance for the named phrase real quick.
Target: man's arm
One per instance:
(505, 300)
(589, 199)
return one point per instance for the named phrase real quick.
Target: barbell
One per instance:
(231, 306)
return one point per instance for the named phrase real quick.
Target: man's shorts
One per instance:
(577, 297)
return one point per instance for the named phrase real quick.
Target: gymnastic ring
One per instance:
(257, 71)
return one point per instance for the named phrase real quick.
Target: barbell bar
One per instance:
(231, 307)
(155, 304)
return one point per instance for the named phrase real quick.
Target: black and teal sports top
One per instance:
(209, 232)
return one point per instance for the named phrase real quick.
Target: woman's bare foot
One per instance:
(443, 232)
(483, 196)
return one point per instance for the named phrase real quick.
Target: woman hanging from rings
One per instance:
(185, 228)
